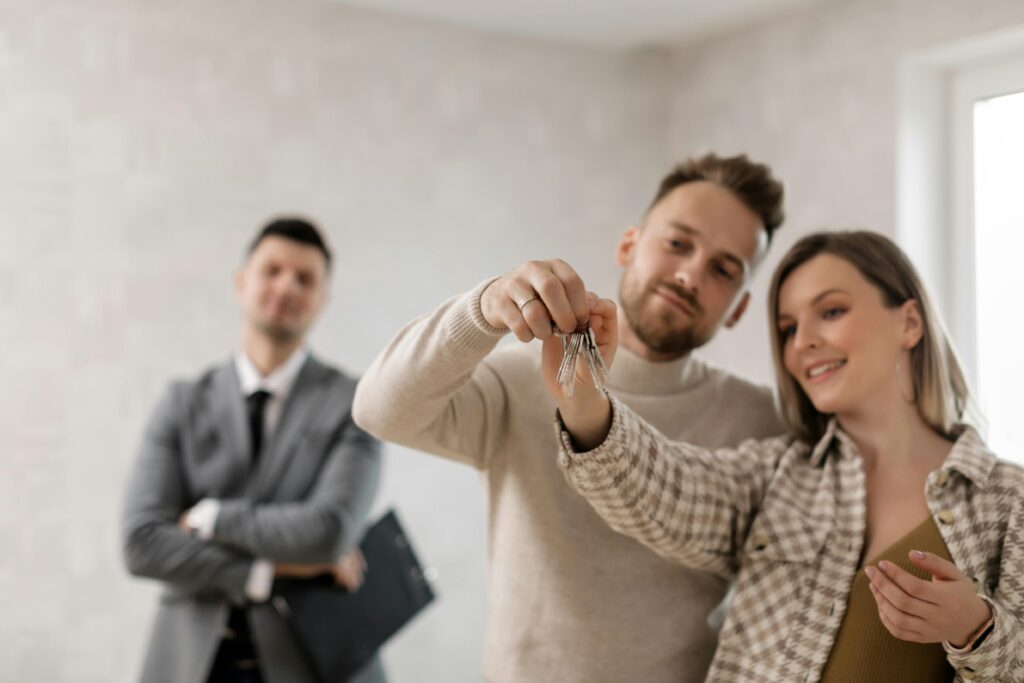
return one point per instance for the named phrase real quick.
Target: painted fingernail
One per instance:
(870, 571)
(918, 554)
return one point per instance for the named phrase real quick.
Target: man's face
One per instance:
(686, 265)
(282, 287)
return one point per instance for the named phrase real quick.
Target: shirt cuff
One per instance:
(971, 645)
(567, 453)
(261, 580)
(202, 518)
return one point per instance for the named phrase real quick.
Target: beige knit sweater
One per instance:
(569, 600)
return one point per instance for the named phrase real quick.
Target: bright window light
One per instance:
(999, 253)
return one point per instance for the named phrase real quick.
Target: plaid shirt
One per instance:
(788, 522)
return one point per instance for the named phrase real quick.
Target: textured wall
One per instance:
(143, 143)
(815, 94)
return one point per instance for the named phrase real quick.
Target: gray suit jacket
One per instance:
(305, 501)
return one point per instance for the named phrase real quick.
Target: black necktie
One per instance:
(257, 404)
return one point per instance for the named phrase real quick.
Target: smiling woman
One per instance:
(834, 270)
(881, 539)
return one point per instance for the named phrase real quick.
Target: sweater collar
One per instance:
(632, 374)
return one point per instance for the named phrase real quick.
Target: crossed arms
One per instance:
(313, 531)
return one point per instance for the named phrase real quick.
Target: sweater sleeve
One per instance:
(429, 390)
(690, 505)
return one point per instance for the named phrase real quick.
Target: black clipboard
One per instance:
(341, 631)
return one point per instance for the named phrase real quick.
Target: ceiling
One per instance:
(610, 24)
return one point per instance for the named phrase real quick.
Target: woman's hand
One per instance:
(947, 608)
(587, 415)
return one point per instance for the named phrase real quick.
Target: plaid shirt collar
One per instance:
(970, 457)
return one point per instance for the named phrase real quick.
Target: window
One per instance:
(960, 210)
(990, 112)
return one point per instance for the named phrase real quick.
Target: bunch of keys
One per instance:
(581, 343)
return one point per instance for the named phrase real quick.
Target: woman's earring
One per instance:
(899, 379)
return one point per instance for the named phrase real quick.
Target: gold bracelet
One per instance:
(975, 639)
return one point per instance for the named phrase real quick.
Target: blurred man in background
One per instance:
(253, 470)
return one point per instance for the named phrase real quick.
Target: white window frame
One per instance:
(937, 90)
(968, 86)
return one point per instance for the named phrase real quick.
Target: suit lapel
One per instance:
(230, 411)
(300, 412)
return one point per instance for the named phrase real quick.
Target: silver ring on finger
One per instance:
(522, 304)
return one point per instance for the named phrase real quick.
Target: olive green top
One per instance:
(864, 650)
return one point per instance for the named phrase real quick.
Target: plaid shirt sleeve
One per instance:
(690, 505)
(1000, 657)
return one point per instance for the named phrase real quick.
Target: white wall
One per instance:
(814, 93)
(144, 143)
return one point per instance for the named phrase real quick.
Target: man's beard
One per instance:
(657, 332)
(280, 334)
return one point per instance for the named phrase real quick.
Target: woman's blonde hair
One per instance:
(940, 390)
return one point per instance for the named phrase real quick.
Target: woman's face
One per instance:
(839, 340)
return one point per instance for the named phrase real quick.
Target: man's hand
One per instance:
(347, 571)
(292, 570)
(947, 608)
(587, 415)
(603, 320)
(529, 298)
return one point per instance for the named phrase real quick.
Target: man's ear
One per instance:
(913, 323)
(740, 309)
(624, 250)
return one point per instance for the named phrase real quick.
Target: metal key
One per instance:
(582, 342)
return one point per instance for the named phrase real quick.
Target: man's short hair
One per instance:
(752, 183)
(297, 230)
